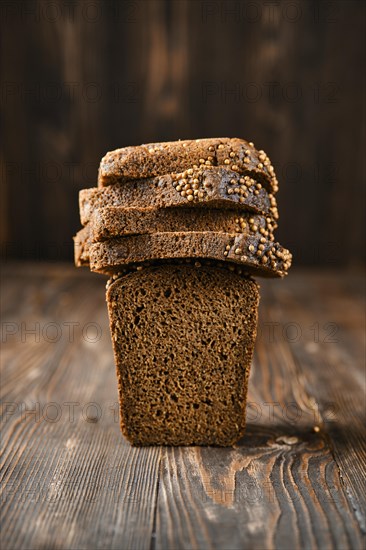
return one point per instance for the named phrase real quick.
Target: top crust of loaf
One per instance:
(155, 159)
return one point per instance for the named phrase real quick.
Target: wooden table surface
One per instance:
(70, 480)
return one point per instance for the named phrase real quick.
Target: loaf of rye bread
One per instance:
(180, 227)
(183, 341)
(203, 187)
(156, 159)
(256, 254)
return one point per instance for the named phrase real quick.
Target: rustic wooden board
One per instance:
(296, 480)
(74, 482)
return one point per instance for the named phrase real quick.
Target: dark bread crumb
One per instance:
(183, 342)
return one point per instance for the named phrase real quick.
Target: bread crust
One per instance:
(272, 260)
(156, 159)
(213, 187)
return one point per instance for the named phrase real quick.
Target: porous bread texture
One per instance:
(201, 187)
(155, 159)
(183, 343)
(258, 255)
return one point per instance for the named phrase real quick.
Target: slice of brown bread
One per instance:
(183, 343)
(156, 159)
(116, 221)
(202, 187)
(259, 255)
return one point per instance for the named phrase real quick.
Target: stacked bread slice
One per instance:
(180, 228)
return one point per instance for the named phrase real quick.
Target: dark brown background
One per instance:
(80, 78)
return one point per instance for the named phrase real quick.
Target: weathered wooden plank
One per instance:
(294, 481)
(330, 356)
(69, 479)
(281, 487)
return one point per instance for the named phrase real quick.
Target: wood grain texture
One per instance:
(331, 348)
(81, 78)
(70, 480)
